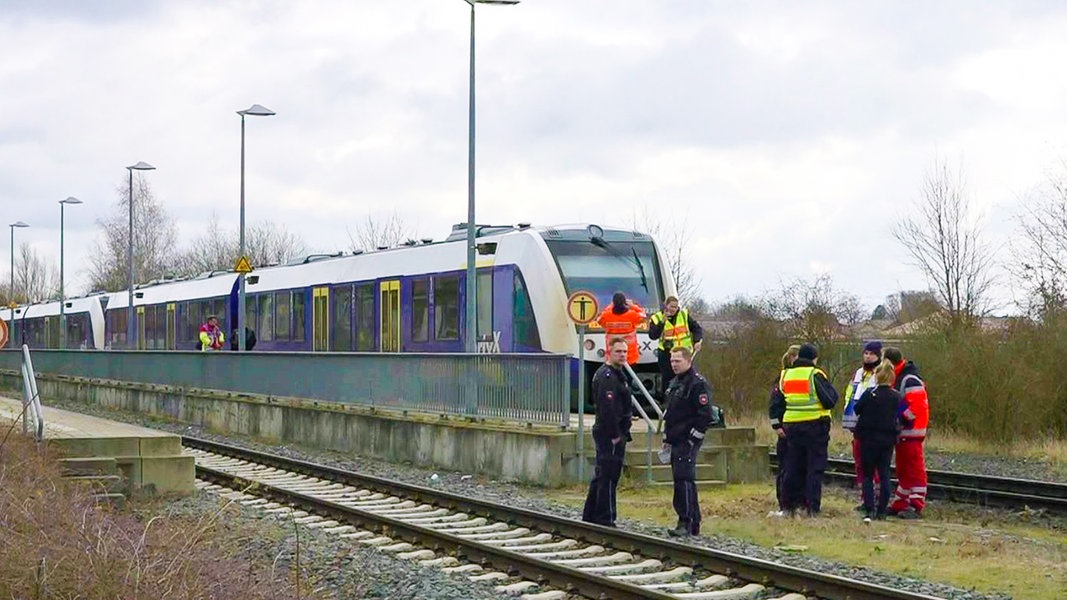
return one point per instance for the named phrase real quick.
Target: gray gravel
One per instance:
(529, 497)
(337, 568)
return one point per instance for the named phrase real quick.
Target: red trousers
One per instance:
(911, 476)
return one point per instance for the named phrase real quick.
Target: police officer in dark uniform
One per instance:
(689, 414)
(611, 431)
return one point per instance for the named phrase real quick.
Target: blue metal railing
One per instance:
(530, 388)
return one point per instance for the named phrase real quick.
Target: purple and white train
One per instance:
(409, 298)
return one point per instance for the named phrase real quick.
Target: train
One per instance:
(407, 298)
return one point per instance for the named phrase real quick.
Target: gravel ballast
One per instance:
(396, 578)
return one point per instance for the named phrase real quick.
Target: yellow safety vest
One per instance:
(678, 334)
(801, 401)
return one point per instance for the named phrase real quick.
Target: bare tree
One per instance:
(377, 232)
(813, 311)
(1040, 253)
(217, 249)
(673, 234)
(945, 241)
(35, 280)
(154, 236)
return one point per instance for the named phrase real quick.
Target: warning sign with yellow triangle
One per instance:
(243, 265)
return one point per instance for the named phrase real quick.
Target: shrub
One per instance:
(58, 543)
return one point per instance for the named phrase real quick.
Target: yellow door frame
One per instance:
(320, 319)
(389, 315)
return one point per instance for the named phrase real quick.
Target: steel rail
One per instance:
(750, 569)
(972, 488)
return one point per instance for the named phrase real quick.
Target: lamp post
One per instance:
(472, 311)
(255, 110)
(11, 293)
(131, 316)
(62, 297)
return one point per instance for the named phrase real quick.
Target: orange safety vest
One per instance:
(801, 401)
(624, 325)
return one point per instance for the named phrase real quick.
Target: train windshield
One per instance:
(604, 268)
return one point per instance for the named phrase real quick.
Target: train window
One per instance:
(250, 312)
(604, 269)
(265, 331)
(365, 318)
(299, 316)
(117, 327)
(484, 306)
(420, 310)
(218, 308)
(446, 307)
(281, 320)
(341, 320)
(190, 321)
(149, 327)
(524, 322)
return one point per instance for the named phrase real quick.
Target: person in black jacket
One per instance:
(877, 429)
(689, 414)
(775, 413)
(805, 398)
(611, 431)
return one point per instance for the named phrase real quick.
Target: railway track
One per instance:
(540, 549)
(1003, 492)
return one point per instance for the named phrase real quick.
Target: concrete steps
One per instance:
(149, 464)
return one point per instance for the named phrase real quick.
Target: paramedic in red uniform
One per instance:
(910, 497)
(622, 319)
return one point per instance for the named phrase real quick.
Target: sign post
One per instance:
(582, 309)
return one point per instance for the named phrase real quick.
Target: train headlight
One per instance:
(590, 345)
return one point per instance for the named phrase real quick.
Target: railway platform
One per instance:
(505, 416)
(148, 459)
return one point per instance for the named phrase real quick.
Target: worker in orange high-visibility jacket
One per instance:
(910, 498)
(622, 319)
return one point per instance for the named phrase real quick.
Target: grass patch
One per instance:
(58, 543)
(1022, 554)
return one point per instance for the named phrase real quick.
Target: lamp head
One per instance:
(70, 200)
(493, 1)
(18, 224)
(256, 110)
(141, 166)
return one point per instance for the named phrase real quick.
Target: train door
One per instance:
(171, 324)
(389, 332)
(320, 319)
(140, 328)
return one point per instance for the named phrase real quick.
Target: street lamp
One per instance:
(131, 315)
(255, 110)
(472, 312)
(11, 293)
(62, 298)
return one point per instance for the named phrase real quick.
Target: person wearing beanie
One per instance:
(622, 319)
(805, 397)
(910, 497)
(862, 380)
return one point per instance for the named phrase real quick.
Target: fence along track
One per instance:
(590, 560)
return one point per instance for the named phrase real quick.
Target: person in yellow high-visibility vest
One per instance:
(673, 326)
(805, 398)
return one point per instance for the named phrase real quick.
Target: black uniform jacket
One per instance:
(824, 391)
(877, 409)
(689, 412)
(614, 405)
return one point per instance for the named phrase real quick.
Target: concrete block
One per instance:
(94, 465)
(174, 474)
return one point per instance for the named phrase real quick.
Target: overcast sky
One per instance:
(792, 134)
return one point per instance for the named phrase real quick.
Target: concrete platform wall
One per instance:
(531, 454)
